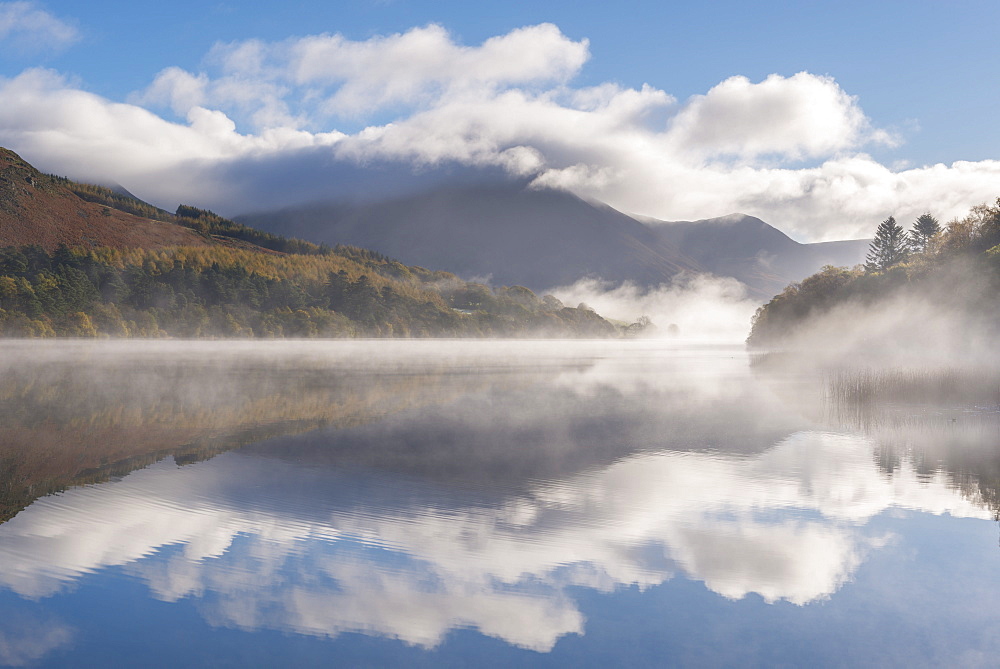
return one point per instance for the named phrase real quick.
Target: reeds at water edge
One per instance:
(945, 387)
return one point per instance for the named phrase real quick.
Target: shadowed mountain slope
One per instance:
(544, 238)
(535, 238)
(752, 251)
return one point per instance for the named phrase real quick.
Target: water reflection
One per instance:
(484, 499)
(27, 639)
(319, 551)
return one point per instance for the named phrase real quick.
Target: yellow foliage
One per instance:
(293, 267)
(8, 287)
(80, 325)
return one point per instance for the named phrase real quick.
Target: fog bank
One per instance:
(701, 306)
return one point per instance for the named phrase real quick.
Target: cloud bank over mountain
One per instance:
(266, 124)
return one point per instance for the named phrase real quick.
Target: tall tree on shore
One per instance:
(924, 228)
(889, 247)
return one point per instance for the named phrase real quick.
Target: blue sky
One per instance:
(903, 85)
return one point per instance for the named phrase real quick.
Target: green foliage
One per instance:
(889, 247)
(925, 228)
(799, 301)
(211, 224)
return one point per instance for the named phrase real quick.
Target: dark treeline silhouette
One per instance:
(211, 224)
(113, 199)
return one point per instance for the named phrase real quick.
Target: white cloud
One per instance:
(508, 104)
(64, 130)
(177, 88)
(29, 28)
(802, 116)
(330, 75)
(411, 66)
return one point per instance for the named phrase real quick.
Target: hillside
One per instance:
(83, 261)
(544, 239)
(232, 292)
(41, 209)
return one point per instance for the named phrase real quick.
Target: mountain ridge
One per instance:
(545, 239)
(720, 246)
(484, 231)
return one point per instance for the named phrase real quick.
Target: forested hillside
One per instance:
(82, 260)
(233, 292)
(932, 286)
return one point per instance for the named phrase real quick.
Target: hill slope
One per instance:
(82, 261)
(937, 303)
(40, 209)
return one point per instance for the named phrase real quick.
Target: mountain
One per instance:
(544, 239)
(41, 209)
(502, 234)
(508, 234)
(754, 252)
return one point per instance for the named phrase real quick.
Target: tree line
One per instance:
(956, 265)
(231, 292)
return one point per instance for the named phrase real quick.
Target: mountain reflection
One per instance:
(479, 493)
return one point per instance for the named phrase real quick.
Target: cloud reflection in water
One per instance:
(323, 551)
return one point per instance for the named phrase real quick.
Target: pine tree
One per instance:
(889, 247)
(925, 227)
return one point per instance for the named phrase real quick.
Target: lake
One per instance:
(484, 503)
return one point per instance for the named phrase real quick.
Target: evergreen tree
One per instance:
(889, 247)
(925, 227)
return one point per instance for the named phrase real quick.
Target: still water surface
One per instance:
(420, 503)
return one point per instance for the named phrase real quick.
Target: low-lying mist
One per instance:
(699, 306)
(905, 329)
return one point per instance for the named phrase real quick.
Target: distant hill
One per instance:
(545, 238)
(757, 254)
(41, 209)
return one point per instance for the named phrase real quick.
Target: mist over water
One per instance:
(500, 502)
(698, 307)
